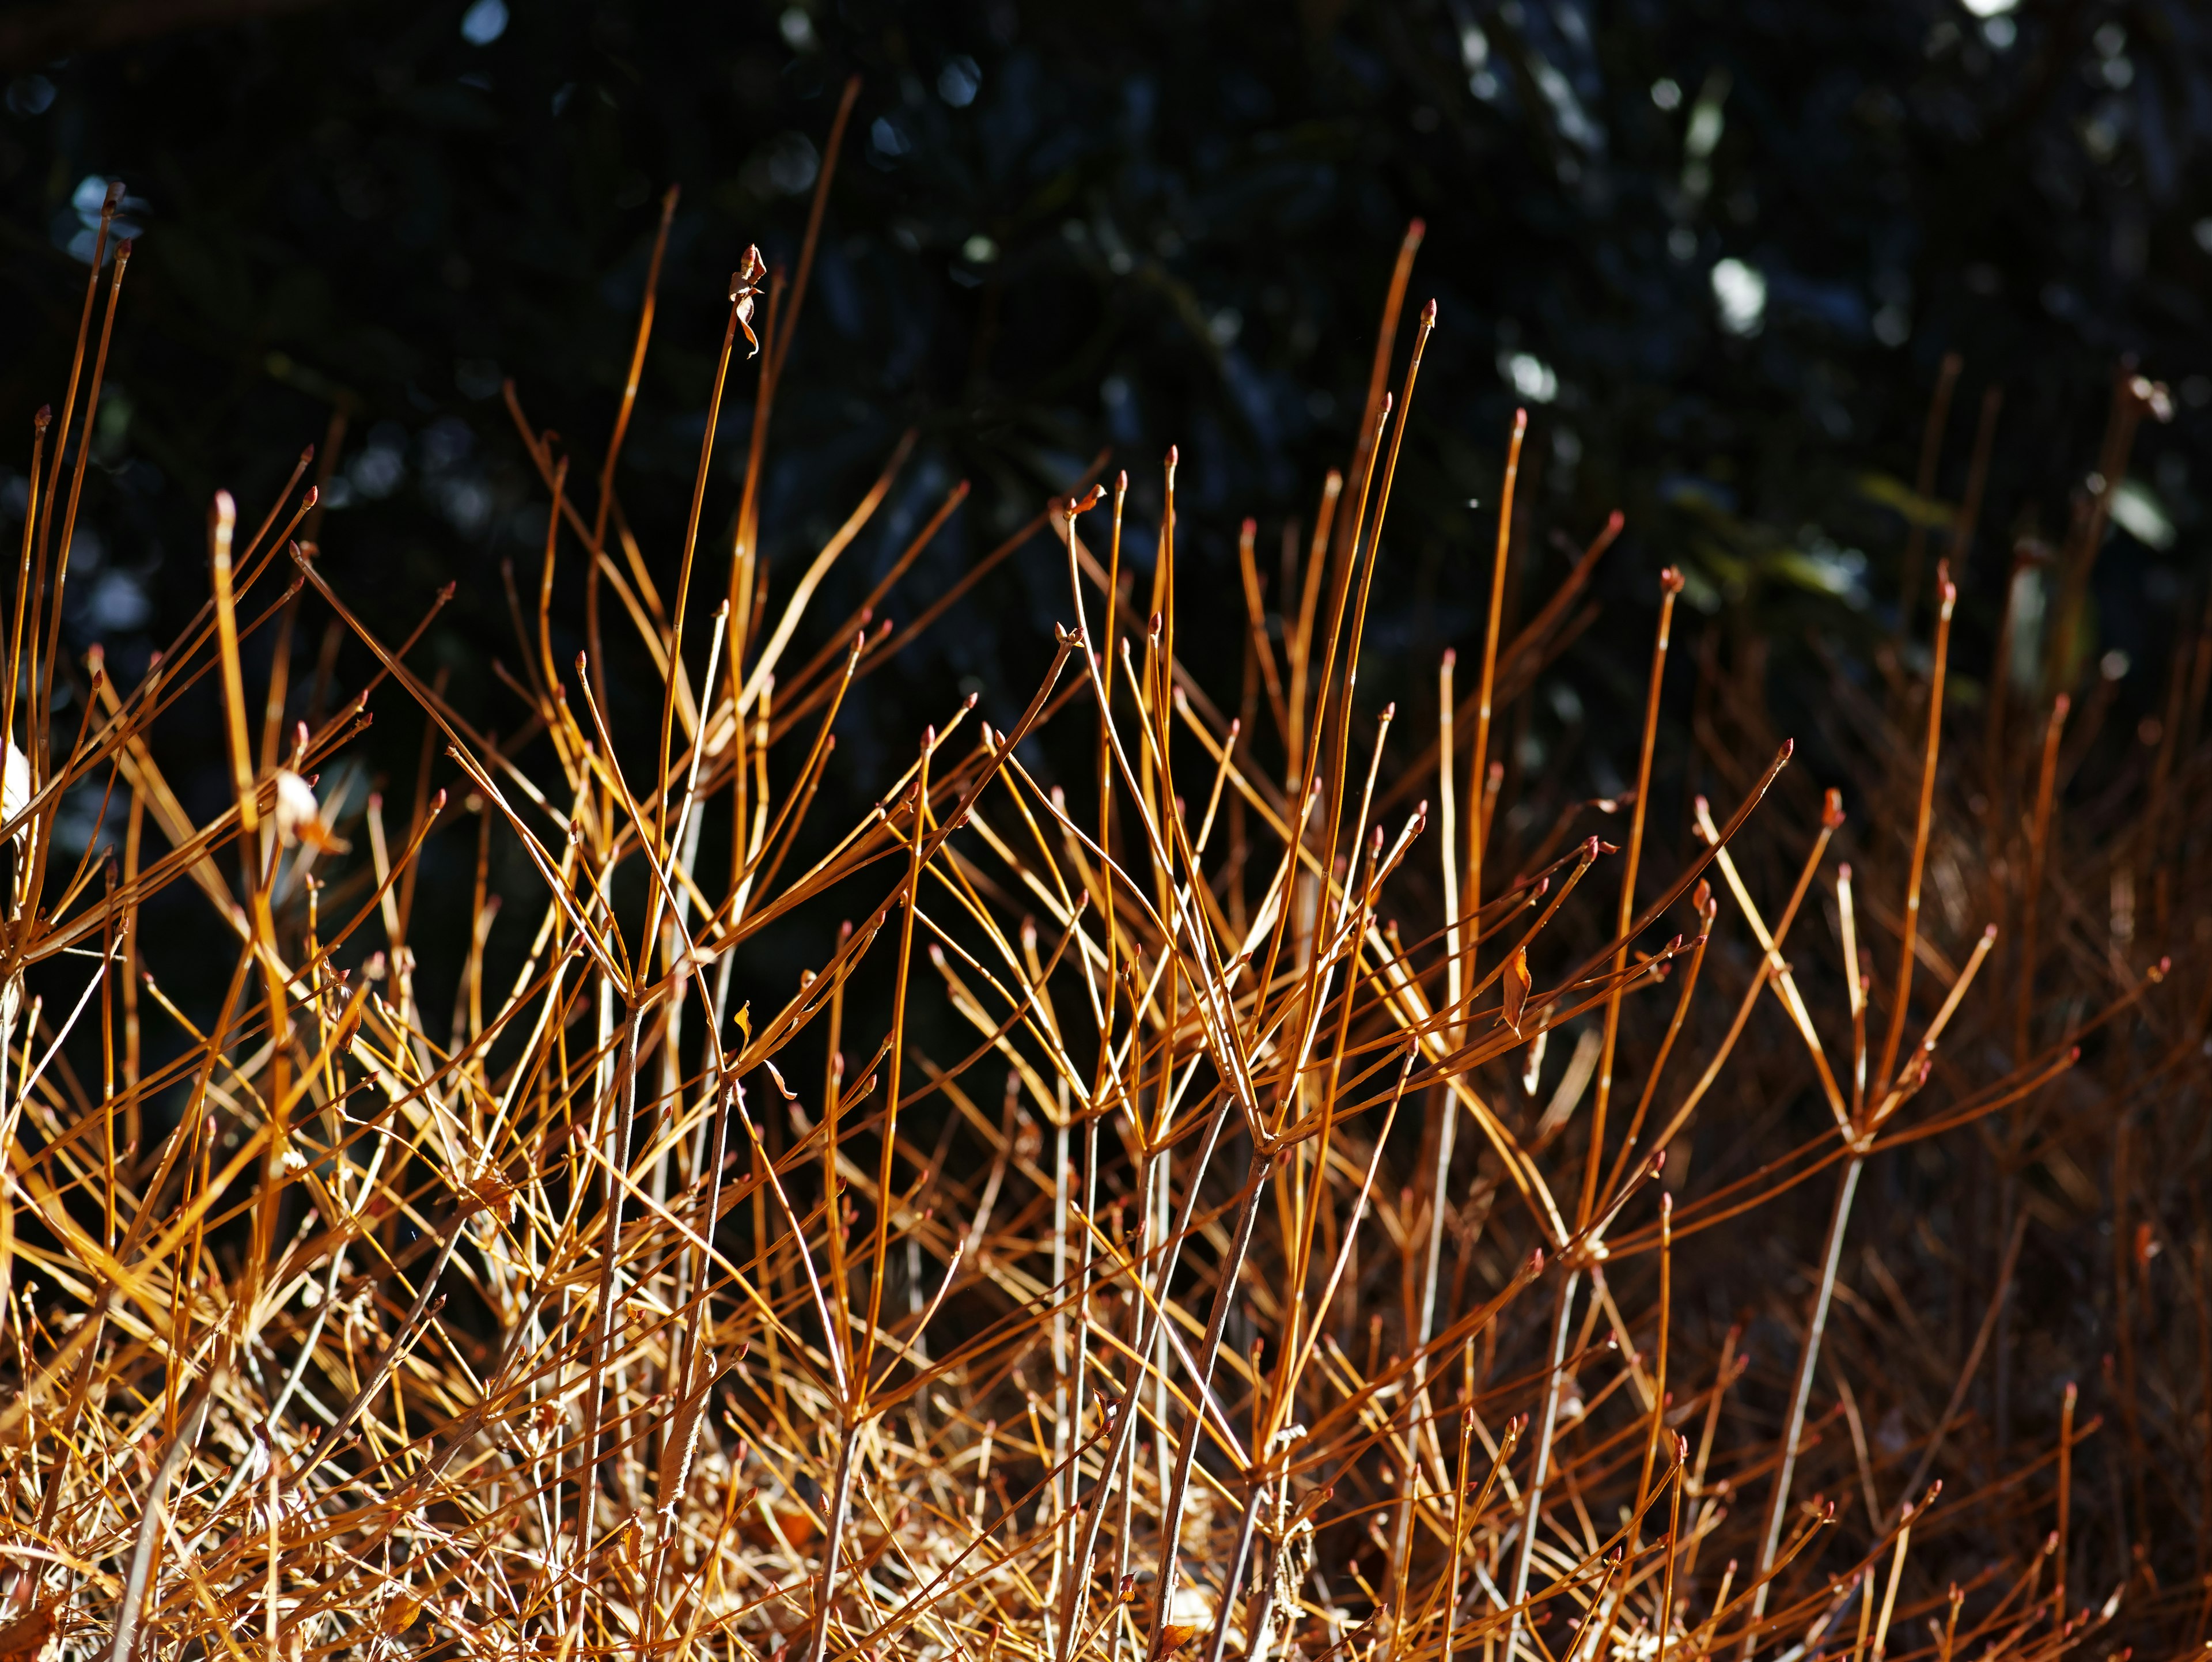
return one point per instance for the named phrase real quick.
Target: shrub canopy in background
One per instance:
(1719, 250)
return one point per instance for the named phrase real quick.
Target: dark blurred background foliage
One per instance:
(1720, 251)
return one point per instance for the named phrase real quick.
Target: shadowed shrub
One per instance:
(1232, 1177)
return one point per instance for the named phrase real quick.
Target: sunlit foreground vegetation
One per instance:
(1254, 1279)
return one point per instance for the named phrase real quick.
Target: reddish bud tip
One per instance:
(1428, 315)
(43, 419)
(1670, 580)
(1451, 656)
(1175, 454)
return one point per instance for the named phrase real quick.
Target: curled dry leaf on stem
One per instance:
(299, 816)
(31, 1637)
(745, 292)
(1517, 983)
(1159, 1256)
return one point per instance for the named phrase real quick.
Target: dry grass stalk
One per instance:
(635, 1316)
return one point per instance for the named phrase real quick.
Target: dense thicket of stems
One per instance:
(1239, 1284)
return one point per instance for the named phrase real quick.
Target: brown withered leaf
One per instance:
(1517, 983)
(799, 1524)
(29, 1638)
(1175, 1635)
(745, 290)
(299, 817)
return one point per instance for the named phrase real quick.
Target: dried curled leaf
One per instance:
(299, 817)
(29, 1638)
(1517, 983)
(745, 290)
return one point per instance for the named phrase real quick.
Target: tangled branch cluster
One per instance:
(1252, 1282)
